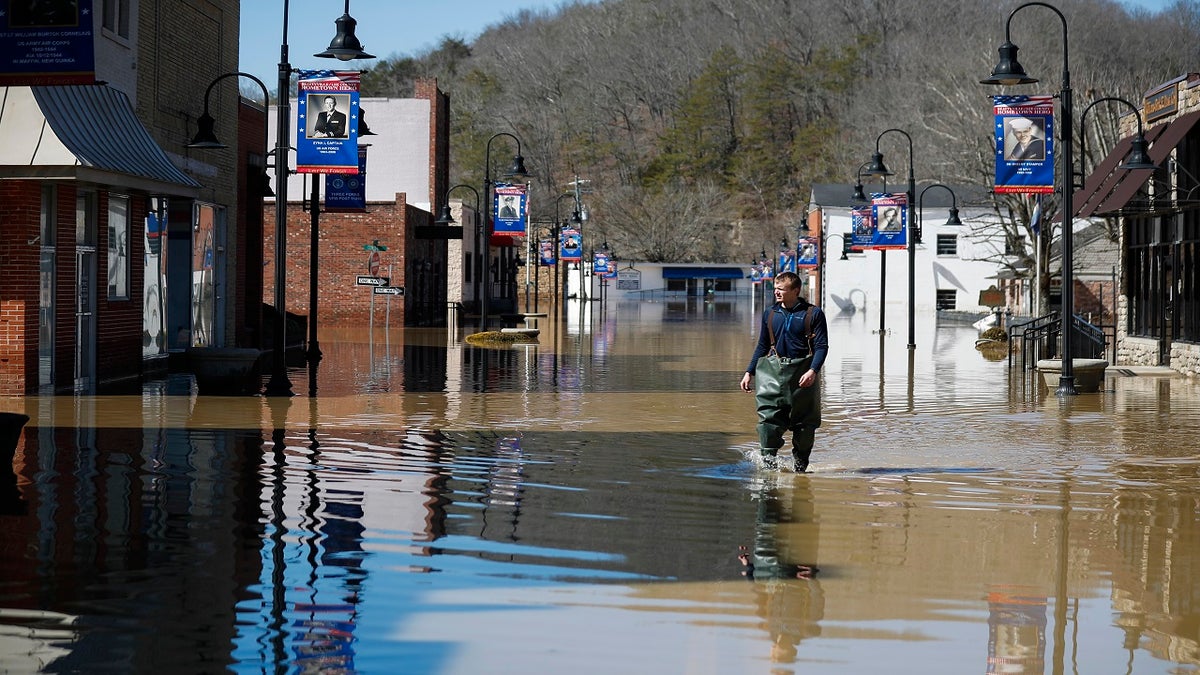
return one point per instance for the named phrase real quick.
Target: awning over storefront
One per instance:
(703, 273)
(84, 132)
(1110, 189)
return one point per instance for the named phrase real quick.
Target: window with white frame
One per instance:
(116, 16)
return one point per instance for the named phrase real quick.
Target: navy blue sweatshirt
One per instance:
(790, 342)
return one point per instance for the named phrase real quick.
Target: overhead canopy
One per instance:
(703, 273)
(1109, 189)
(83, 132)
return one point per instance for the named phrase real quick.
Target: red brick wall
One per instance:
(19, 285)
(341, 258)
(118, 322)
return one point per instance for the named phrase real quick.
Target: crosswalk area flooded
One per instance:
(592, 502)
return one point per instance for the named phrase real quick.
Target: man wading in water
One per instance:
(793, 342)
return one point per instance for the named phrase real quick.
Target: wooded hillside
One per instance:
(702, 123)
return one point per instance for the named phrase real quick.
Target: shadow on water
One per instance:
(593, 499)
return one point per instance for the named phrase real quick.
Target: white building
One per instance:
(950, 266)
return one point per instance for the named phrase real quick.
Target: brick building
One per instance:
(407, 167)
(1157, 212)
(97, 193)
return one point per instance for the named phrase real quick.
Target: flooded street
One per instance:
(579, 505)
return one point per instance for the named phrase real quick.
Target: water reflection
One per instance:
(584, 500)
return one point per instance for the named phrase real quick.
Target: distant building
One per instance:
(952, 264)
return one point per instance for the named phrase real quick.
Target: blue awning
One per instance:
(703, 273)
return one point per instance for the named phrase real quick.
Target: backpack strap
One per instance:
(809, 335)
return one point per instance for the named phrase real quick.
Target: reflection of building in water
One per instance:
(1016, 631)
(1154, 590)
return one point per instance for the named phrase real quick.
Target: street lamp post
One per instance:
(877, 168)
(516, 171)
(556, 239)
(345, 46)
(206, 138)
(446, 219)
(861, 198)
(952, 220)
(1139, 157)
(578, 219)
(1007, 72)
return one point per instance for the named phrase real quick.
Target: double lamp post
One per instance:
(345, 46)
(1008, 71)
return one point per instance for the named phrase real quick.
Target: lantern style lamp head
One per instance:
(206, 137)
(445, 218)
(1139, 157)
(363, 129)
(517, 170)
(954, 220)
(345, 45)
(1008, 70)
(876, 167)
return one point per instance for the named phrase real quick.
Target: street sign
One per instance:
(388, 290)
(372, 281)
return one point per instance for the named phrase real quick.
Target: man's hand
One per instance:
(808, 379)
(746, 381)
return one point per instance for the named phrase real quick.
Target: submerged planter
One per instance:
(1089, 373)
(226, 371)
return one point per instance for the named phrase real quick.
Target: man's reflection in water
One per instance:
(783, 566)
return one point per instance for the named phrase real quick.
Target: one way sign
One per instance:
(388, 290)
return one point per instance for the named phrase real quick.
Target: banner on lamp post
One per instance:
(600, 263)
(889, 211)
(348, 191)
(808, 253)
(1024, 144)
(327, 121)
(546, 253)
(510, 204)
(787, 260)
(862, 228)
(570, 245)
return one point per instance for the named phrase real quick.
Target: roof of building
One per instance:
(83, 132)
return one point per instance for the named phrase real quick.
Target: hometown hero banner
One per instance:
(327, 122)
(889, 211)
(1024, 144)
(511, 205)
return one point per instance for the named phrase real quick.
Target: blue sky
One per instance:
(385, 27)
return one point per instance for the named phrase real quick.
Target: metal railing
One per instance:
(1039, 338)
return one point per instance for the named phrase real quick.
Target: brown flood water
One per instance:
(579, 505)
